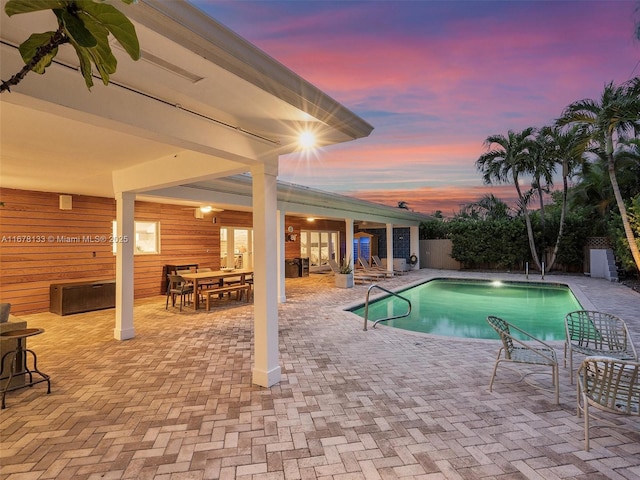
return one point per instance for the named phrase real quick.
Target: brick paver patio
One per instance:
(176, 402)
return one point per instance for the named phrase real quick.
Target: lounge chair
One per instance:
(377, 263)
(364, 266)
(597, 333)
(358, 277)
(534, 351)
(335, 268)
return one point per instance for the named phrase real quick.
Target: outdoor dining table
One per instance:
(196, 277)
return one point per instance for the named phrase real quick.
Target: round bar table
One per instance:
(19, 364)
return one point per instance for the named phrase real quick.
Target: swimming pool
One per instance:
(459, 308)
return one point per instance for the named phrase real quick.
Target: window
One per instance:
(236, 247)
(147, 238)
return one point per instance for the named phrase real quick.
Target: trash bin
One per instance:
(292, 268)
(303, 266)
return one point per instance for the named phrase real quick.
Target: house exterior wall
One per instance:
(292, 247)
(401, 242)
(42, 244)
(35, 251)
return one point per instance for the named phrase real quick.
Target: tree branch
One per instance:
(57, 39)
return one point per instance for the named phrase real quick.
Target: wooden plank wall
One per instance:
(58, 251)
(292, 248)
(40, 245)
(28, 268)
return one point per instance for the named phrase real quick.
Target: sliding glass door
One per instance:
(319, 247)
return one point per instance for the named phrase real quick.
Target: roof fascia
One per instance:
(301, 200)
(188, 26)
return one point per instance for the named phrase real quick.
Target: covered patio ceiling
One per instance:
(201, 104)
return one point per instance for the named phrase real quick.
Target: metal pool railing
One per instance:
(366, 306)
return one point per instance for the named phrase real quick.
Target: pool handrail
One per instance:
(366, 306)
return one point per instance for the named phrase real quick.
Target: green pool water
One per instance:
(459, 308)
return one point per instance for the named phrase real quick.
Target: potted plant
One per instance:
(344, 277)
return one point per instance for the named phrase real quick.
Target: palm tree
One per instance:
(628, 167)
(505, 160)
(542, 167)
(562, 147)
(488, 207)
(608, 124)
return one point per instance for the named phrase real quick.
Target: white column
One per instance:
(349, 240)
(282, 294)
(390, 247)
(414, 234)
(249, 254)
(125, 207)
(231, 248)
(266, 369)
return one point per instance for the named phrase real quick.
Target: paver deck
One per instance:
(176, 401)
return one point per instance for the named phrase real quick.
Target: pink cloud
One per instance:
(428, 200)
(435, 79)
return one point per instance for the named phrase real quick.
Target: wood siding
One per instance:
(292, 248)
(59, 250)
(42, 244)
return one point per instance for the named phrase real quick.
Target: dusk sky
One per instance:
(435, 79)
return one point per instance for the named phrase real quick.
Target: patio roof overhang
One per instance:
(201, 104)
(235, 193)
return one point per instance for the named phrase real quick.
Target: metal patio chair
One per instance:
(610, 385)
(597, 333)
(533, 351)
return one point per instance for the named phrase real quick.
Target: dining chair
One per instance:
(597, 333)
(177, 286)
(532, 351)
(206, 284)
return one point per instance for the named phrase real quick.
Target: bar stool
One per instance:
(18, 364)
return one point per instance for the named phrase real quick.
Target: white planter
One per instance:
(344, 280)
